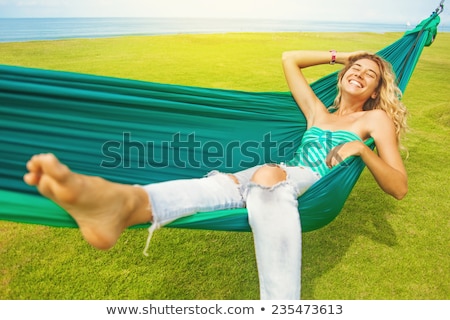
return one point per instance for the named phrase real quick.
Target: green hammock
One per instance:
(138, 132)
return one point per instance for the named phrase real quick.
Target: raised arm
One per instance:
(293, 63)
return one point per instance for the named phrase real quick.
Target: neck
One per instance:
(343, 110)
(347, 106)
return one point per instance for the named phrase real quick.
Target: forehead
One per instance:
(368, 64)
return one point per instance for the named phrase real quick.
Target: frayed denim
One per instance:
(272, 212)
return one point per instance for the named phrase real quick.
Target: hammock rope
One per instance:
(87, 121)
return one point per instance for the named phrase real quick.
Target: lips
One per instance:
(355, 83)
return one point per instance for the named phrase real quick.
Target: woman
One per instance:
(367, 105)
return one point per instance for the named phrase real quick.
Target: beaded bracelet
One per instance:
(333, 57)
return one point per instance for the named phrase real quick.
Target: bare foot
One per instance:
(102, 209)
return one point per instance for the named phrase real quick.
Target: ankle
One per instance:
(137, 203)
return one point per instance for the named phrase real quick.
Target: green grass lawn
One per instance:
(378, 248)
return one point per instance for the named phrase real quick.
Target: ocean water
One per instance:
(30, 29)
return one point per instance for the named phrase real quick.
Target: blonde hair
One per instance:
(388, 96)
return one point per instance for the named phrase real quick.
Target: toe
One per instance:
(53, 167)
(32, 178)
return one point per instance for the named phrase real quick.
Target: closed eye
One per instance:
(369, 72)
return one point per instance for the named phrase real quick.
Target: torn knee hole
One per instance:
(269, 175)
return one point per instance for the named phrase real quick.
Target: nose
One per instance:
(359, 74)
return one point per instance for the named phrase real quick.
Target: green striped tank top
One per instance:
(316, 144)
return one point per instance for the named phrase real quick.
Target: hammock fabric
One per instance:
(139, 132)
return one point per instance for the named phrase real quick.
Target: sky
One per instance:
(383, 11)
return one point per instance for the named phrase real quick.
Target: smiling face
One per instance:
(361, 79)
(368, 76)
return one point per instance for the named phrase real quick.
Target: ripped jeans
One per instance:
(272, 212)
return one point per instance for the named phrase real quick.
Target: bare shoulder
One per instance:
(382, 129)
(377, 114)
(378, 122)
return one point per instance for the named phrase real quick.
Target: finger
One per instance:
(332, 157)
(328, 159)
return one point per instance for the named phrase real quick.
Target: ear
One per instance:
(374, 95)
